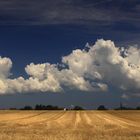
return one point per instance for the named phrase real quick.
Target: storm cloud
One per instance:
(36, 12)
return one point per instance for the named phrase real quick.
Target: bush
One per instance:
(101, 107)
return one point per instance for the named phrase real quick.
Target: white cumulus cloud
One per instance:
(94, 69)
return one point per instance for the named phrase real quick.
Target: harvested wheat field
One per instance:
(69, 125)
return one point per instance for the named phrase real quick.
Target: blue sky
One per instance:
(45, 31)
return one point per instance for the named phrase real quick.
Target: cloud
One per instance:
(5, 66)
(124, 96)
(67, 12)
(93, 69)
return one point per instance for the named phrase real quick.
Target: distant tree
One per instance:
(78, 108)
(121, 106)
(48, 107)
(27, 108)
(124, 108)
(101, 107)
(138, 108)
(13, 108)
(39, 107)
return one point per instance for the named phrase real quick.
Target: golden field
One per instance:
(69, 125)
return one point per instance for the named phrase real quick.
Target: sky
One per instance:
(70, 52)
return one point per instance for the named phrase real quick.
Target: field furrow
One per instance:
(69, 125)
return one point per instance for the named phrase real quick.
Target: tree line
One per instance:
(51, 107)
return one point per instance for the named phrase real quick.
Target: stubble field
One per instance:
(69, 125)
